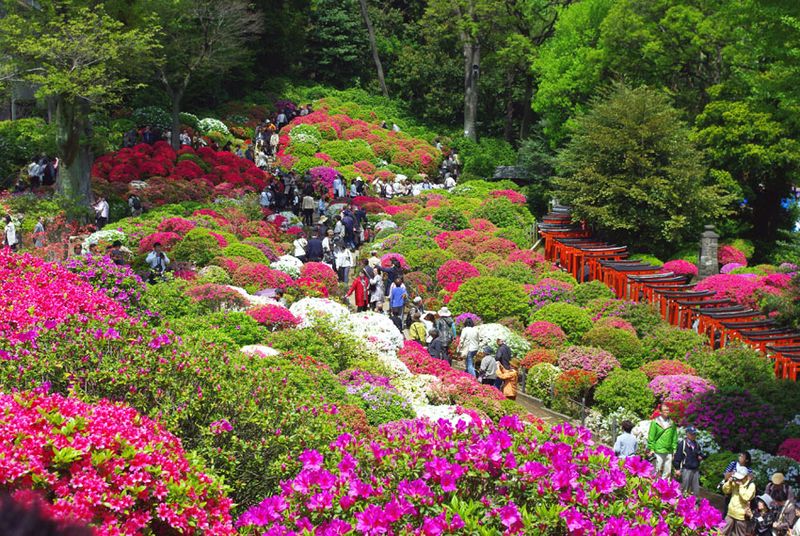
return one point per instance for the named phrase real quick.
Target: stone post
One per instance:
(709, 243)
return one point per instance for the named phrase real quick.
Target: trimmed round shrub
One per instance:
(213, 298)
(503, 213)
(153, 116)
(515, 271)
(214, 274)
(274, 317)
(643, 316)
(615, 322)
(199, 246)
(251, 253)
(625, 346)
(571, 318)
(450, 219)
(491, 298)
(571, 389)
(545, 334)
(625, 389)
(428, 261)
(538, 355)
(589, 359)
(593, 290)
(540, 379)
(234, 326)
(669, 342)
(409, 244)
(737, 420)
(421, 227)
(666, 367)
(735, 365)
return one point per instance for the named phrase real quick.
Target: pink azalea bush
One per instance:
(176, 225)
(36, 295)
(217, 297)
(166, 239)
(589, 359)
(455, 271)
(274, 317)
(260, 276)
(319, 271)
(515, 197)
(545, 334)
(679, 387)
(730, 267)
(421, 477)
(729, 254)
(386, 260)
(106, 465)
(680, 267)
(744, 289)
(790, 448)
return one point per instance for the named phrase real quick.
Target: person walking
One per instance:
(300, 244)
(741, 488)
(510, 379)
(101, 211)
(687, 462)
(344, 261)
(487, 371)
(626, 443)
(10, 238)
(313, 248)
(360, 288)
(783, 503)
(446, 328)
(308, 210)
(38, 233)
(377, 294)
(468, 345)
(397, 301)
(662, 440)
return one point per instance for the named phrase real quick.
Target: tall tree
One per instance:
(373, 45)
(336, 45)
(631, 170)
(80, 58)
(201, 37)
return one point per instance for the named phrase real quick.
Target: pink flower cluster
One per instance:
(511, 195)
(167, 241)
(261, 276)
(729, 254)
(589, 359)
(680, 267)
(546, 334)
(176, 225)
(790, 448)
(679, 387)
(455, 271)
(217, 297)
(744, 289)
(274, 317)
(36, 295)
(432, 479)
(104, 464)
(386, 260)
(666, 367)
(319, 271)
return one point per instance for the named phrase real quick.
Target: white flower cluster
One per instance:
(108, 235)
(288, 265)
(606, 428)
(377, 331)
(310, 310)
(489, 333)
(765, 465)
(705, 440)
(384, 224)
(209, 124)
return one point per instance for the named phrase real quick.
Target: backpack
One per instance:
(445, 328)
(137, 203)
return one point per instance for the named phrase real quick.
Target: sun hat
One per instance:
(323, 219)
(767, 500)
(444, 311)
(418, 299)
(777, 479)
(740, 474)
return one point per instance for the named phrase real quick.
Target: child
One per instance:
(764, 516)
(487, 370)
(510, 379)
(626, 444)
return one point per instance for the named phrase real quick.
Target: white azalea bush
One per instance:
(289, 265)
(107, 236)
(489, 333)
(310, 310)
(209, 124)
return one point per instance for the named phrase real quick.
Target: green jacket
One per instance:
(662, 440)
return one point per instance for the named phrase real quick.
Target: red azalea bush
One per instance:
(729, 254)
(418, 283)
(386, 260)
(790, 448)
(455, 271)
(515, 197)
(680, 267)
(321, 272)
(305, 287)
(176, 225)
(167, 241)
(574, 384)
(36, 295)
(666, 367)
(106, 465)
(274, 317)
(253, 274)
(217, 297)
(538, 355)
(546, 334)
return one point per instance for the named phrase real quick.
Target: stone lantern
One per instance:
(709, 244)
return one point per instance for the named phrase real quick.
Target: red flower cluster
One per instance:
(322, 273)
(274, 317)
(455, 271)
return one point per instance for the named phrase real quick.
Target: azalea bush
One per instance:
(491, 298)
(274, 317)
(627, 389)
(118, 282)
(679, 387)
(445, 485)
(680, 267)
(214, 298)
(623, 344)
(545, 334)
(570, 318)
(667, 342)
(589, 359)
(455, 271)
(790, 448)
(107, 466)
(666, 367)
(540, 380)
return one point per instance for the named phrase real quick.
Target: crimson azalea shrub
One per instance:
(322, 273)
(455, 271)
(666, 367)
(570, 318)
(624, 345)
(215, 298)
(790, 448)
(199, 246)
(593, 290)
(545, 334)
(538, 355)
(595, 360)
(445, 485)
(177, 225)
(681, 267)
(737, 420)
(105, 465)
(386, 260)
(254, 276)
(625, 389)
(729, 254)
(36, 296)
(245, 251)
(491, 298)
(571, 390)
(274, 317)
(167, 241)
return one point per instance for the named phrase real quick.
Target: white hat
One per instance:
(444, 311)
(418, 299)
(740, 474)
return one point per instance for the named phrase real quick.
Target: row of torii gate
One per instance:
(721, 320)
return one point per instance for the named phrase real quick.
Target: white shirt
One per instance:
(374, 261)
(11, 234)
(449, 182)
(155, 262)
(469, 340)
(101, 209)
(185, 139)
(300, 247)
(344, 258)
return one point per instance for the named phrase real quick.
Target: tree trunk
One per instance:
(72, 133)
(373, 47)
(508, 128)
(527, 109)
(472, 63)
(176, 98)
